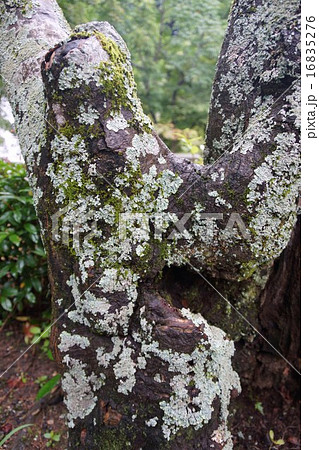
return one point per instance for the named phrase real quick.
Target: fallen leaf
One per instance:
(15, 383)
(6, 428)
(112, 417)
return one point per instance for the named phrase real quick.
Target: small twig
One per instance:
(9, 316)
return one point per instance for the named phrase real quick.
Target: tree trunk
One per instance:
(148, 254)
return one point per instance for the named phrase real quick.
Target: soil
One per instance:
(254, 413)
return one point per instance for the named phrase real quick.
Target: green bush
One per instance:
(23, 268)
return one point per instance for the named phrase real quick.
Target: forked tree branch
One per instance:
(97, 166)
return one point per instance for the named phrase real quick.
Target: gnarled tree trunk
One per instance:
(148, 253)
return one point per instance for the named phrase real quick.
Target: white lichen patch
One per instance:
(272, 197)
(68, 156)
(125, 367)
(222, 436)
(37, 194)
(88, 115)
(141, 146)
(79, 389)
(124, 370)
(151, 422)
(76, 74)
(249, 61)
(208, 369)
(116, 123)
(213, 377)
(68, 340)
(161, 160)
(90, 309)
(158, 378)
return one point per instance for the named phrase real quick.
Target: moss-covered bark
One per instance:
(143, 367)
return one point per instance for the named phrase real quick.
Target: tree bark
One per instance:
(146, 356)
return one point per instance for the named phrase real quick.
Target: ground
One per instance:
(276, 410)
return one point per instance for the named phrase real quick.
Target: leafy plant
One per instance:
(41, 380)
(193, 144)
(23, 269)
(188, 140)
(278, 442)
(48, 386)
(38, 334)
(12, 432)
(53, 438)
(259, 407)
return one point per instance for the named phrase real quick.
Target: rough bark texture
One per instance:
(145, 361)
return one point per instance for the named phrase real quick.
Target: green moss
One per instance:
(117, 80)
(113, 439)
(245, 196)
(81, 35)
(85, 131)
(113, 79)
(230, 191)
(67, 130)
(24, 4)
(57, 97)
(116, 75)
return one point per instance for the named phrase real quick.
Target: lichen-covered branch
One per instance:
(117, 208)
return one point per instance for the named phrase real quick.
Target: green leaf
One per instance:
(15, 239)
(30, 260)
(8, 291)
(271, 435)
(48, 386)
(8, 436)
(259, 407)
(46, 333)
(39, 251)
(3, 235)
(31, 297)
(36, 283)
(35, 330)
(279, 442)
(5, 270)
(20, 265)
(17, 215)
(30, 228)
(35, 339)
(9, 196)
(6, 217)
(49, 355)
(34, 238)
(272, 438)
(6, 304)
(14, 270)
(41, 379)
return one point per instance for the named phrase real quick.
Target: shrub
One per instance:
(23, 268)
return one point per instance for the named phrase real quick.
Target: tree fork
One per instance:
(140, 370)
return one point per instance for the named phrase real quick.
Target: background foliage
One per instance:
(174, 46)
(23, 270)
